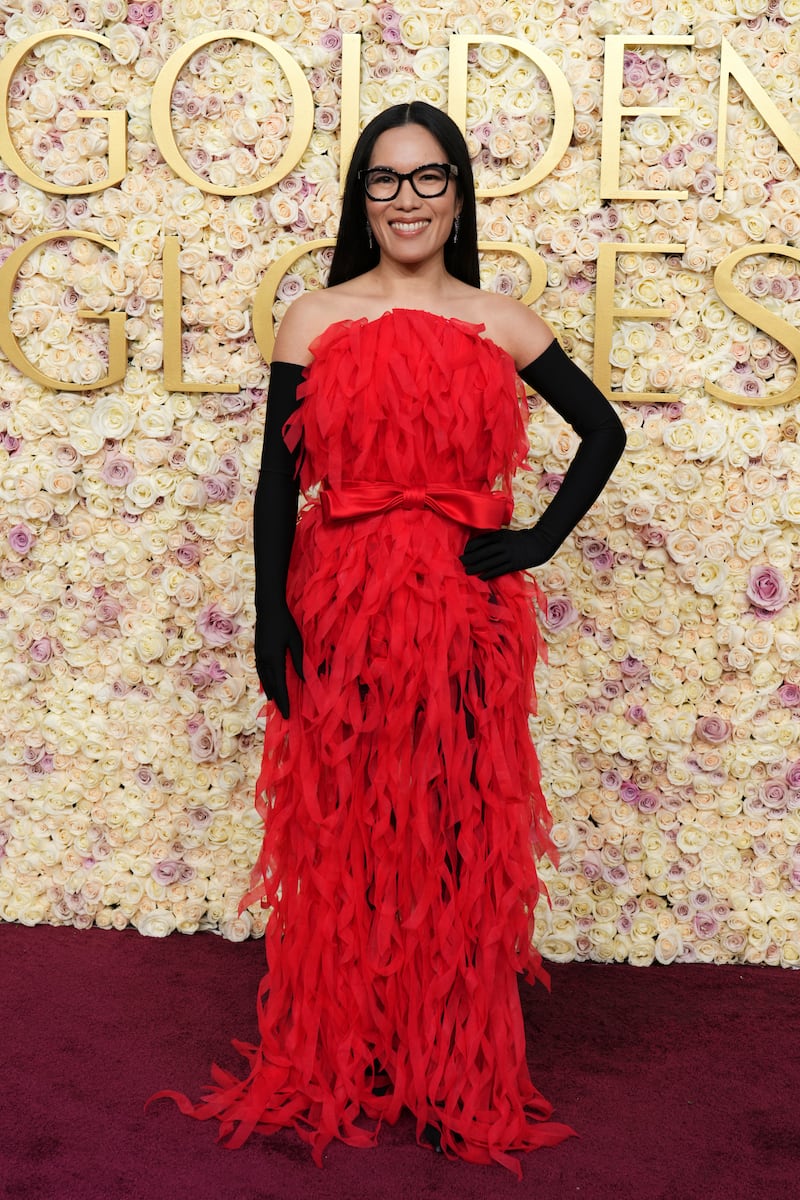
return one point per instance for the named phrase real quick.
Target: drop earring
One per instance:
(369, 234)
(456, 224)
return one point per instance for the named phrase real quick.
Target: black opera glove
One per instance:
(274, 521)
(574, 397)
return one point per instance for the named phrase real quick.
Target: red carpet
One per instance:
(682, 1082)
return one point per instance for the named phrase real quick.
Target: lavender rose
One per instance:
(649, 802)
(118, 471)
(706, 925)
(202, 743)
(41, 650)
(166, 872)
(216, 627)
(713, 729)
(550, 482)
(21, 539)
(767, 590)
(592, 866)
(629, 792)
(188, 554)
(773, 795)
(560, 613)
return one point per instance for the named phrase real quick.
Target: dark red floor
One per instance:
(682, 1081)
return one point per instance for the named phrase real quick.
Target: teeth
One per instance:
(409, 225)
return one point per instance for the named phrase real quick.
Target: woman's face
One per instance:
(411, 228)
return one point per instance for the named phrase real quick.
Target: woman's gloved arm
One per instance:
(573, 395)
(274, 521)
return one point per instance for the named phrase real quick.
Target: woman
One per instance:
(399, 787)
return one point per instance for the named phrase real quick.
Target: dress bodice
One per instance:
(410, 397)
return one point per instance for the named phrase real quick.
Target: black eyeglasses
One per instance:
(382, 183)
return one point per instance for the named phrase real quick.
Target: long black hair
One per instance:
(352, 255)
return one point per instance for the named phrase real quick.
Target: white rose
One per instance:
(157, 923)
(113, 417)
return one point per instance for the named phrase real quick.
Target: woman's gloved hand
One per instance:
(276, 634)
(573, 395)
(499, 551)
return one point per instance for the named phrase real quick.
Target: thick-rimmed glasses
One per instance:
(428, 181)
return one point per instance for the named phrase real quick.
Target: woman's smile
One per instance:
(408, 228)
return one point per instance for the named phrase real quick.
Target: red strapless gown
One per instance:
(401, 799)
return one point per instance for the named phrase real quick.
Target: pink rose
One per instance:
(166, 872)
(629, 792)
(117, 471)
(593, 548)
(550, 482)
(217, 627)
(713, 729)
(592, 866)
(219, 487)
(616, 875)
(651, 535)
(767, 589)
(188, 554)
(107, 611)
(560, 613)
(41, 650)
(21, 539)
(706, 925)
(603, 562)
(43, 767)
(789, 694)
(704, 182)
(773, 795)
(634, 70)
(203, 743)
(675, 157)
(204, 673)
(649, 802)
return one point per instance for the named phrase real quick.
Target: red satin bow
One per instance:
(477, 510)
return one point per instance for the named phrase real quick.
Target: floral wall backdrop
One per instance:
(129, 706)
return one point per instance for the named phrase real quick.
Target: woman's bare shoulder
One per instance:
(307, 317)
(302, 322)
(516, 327)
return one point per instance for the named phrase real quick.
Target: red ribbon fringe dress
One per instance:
(401, 799)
